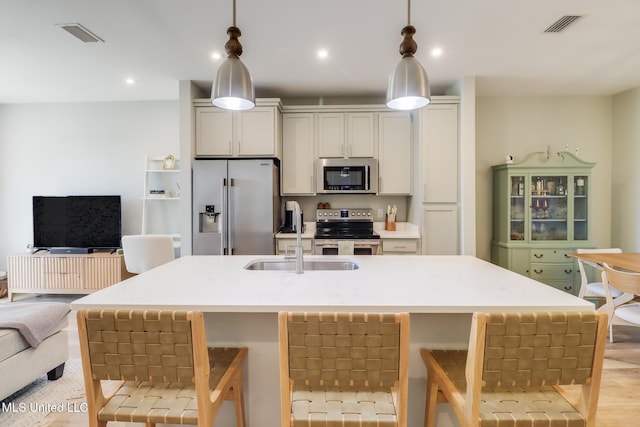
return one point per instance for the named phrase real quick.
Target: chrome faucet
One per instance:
(299, 250)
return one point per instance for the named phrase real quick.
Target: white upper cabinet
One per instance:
(223, 133)
(259, 132)
(394, 153)
(214, 132)
(361, 136)
(440, 154)
(345, 135)
(331, 135)
(298, 160)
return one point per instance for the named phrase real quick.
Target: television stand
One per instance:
(47, 273)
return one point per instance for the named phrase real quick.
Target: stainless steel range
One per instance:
(336, 225)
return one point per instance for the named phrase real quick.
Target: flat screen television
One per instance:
(88, 222)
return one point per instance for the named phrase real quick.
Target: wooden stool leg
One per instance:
(238, 398)
(431, 403)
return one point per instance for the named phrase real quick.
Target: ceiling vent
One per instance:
(81, 33)
(562, 23)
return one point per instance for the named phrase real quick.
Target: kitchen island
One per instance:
(241, 306)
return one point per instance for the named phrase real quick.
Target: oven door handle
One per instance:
(355, 244)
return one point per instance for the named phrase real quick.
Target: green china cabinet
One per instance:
(541, 213)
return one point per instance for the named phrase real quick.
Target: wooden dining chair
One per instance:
(629, 283)
(167, 373)
(514, 367)
(595, 288)
(343, 369)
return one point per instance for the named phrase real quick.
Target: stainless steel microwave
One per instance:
(347, 176)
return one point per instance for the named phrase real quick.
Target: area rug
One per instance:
(33, 405)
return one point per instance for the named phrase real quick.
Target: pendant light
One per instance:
(408, 85)
(233, 87)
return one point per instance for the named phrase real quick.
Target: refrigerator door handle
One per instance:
(223, 217)
(230, 209)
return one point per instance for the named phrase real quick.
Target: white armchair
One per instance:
(144, 252)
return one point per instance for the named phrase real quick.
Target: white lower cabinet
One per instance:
(400, 246)
(440, 230)
(287, 246)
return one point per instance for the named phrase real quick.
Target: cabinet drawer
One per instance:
(307, 245)
(399, 245)
(62, 273)
(564, 285)
(551, 255)
(542, 272)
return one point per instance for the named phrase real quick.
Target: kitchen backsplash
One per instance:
(309, 204)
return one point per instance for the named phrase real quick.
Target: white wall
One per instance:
(626, 173)
(520, 125)
(76, 149)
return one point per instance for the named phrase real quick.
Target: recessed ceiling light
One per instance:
(129, 81)
(216, 55)
(436, 51)
(322, 53)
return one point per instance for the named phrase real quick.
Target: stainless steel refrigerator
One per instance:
(236, 206)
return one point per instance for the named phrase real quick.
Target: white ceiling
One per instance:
(160, 42)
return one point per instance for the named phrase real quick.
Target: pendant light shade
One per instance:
(233, 87)
(408, 85)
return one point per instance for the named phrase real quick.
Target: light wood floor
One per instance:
(619, 392)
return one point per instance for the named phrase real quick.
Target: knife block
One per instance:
(389, 224)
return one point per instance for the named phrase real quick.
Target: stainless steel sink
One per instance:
(309, 265)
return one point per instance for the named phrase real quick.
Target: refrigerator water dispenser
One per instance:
(209, 220)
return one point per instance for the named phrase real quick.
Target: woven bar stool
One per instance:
(515, 363)
(168, 374)
(343, 369)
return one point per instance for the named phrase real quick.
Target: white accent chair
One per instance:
(629, 283)
(596, 289)
(144, 252)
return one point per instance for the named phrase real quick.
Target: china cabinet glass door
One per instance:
(549, 207)
(580, 205)
(517, 227)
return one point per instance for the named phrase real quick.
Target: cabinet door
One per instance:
(102, 271)
(331, 135)
(394, 153)
(549, 208)
(440, 225)
(214, 132)
(440, 154)
(256, 132)
(581, 207)
(360, 135)
(517, 229)
(297, 154)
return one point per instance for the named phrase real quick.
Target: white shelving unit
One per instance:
(160, 203)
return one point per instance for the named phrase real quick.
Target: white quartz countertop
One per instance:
(404, 230)
(415, 284)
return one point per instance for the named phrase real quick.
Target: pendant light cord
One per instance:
(408, 11)
(234, 13)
